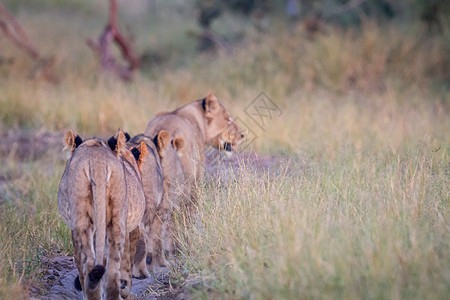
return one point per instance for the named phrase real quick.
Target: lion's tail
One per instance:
(99, 218)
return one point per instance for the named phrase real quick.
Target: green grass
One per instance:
(30, 225)
(358, 209)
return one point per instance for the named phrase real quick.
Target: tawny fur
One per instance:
(197, 123)
(152, 180)
(232, 135)
(92, 201)
(101, 198)
(136, 207)
(174, 193)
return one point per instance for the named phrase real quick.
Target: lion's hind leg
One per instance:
(116, 232)
(156, 252)
(138, 256)
(90, 276)
(79, 280)
(139, 264)
(125, 272)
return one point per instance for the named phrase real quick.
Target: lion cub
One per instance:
(198, 124)
(94, 203)
(229, 139)
(152, 181)
(132, 160)
(174, 192)
(172, 183)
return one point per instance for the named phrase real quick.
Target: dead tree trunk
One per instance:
(112, 34)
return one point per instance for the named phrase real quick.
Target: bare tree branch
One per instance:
(18, 37)
(112, 34)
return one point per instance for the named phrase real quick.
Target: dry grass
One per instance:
(359, 211)
(369, 227)
(360, 208)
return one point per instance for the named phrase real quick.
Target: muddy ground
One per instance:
(58, 273)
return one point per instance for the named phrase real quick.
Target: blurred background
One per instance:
(169, 52)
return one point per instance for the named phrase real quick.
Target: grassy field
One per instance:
(359, 208)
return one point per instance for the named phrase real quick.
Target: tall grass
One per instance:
(30, 226)
(365, 225)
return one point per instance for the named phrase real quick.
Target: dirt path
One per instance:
(59, 274)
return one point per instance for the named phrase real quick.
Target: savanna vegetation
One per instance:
(359, 206)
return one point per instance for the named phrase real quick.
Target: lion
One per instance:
(93, 201)
(152, 180)
(174, 192)
(198, 124)
(92, 194)
(158, 239)
(133, 161)
(229, 139)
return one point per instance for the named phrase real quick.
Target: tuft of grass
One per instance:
(30, 225)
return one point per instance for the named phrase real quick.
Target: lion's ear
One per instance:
(163, 139)
(144, 150)
(117, 144)
(112, 143)
(178, 143)
(121, 141)
(136, 153)
(72, 140)
(69, 139)
(210, 104)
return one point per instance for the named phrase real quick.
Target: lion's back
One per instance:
(88, 165)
